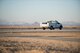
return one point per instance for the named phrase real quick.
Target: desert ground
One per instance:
(24, 40)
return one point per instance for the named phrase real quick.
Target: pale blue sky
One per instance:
(39, 10)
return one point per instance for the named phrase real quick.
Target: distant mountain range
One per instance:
(38, 24)
(20, 24)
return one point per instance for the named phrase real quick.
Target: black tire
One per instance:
(34, 28)
(51, 28)
(44, 28)
(61, 27)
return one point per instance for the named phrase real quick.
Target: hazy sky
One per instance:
(39, 10)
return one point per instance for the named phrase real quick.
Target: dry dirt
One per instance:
(68, 34)
(29, 45)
